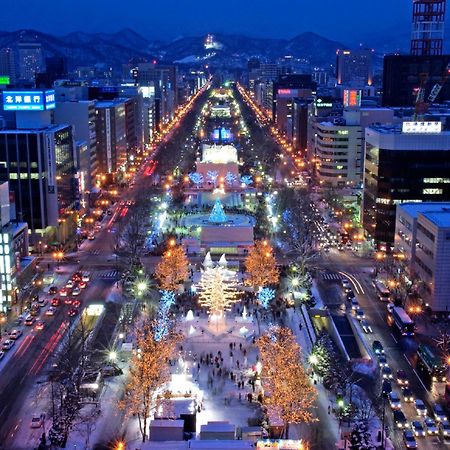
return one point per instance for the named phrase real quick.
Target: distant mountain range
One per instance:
(115, 49)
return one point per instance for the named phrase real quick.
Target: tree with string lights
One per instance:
(173, 268)
(286, 385)
(149, 372)
(261, 266)
(217, 290)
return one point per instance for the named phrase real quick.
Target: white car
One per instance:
(430, 426)
(421, 408)
(37, 421)
(8, 344)
(366, 326)
(86, 277)
(394, 401)
(15, 334)
(444, 427)
(76, 291)
(70, 284)
(360, 314)
(50, 311)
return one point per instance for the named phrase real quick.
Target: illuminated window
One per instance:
(342, 132)
(437, 180)
(432, 191)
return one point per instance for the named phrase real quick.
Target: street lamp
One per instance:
(112, 356)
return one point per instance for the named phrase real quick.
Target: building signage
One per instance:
(50, 149)
(287, 93)
(108, 140)
(352, 98)
(422, 127)
(324, 103)
(4, 80)
(36, 100)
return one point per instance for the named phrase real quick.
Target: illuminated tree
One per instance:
(285, 382)
(217, 289)
(172, 269)
(212, 176)
(149, 372)
(265, 295)
(261, 265)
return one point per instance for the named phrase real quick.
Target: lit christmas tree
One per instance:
(218, 214)
(217, 290)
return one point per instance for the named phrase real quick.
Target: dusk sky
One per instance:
(341, 20)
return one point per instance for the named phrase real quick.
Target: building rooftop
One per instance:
(440, 218)
(436, 212)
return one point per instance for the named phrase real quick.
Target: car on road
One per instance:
(394, 400)
(430, 426)
(77, 276)
(390, 307)
(42, 302)
(70, 284)
(360, 314)
(72, 312)
(86, 277)
(52, 290)
(76, 303)
(8, 344)
(366, 326)
(408, 395)
(50, 311)
(37, 420)
(444, 428)
(82, 285)
(29, 321)
(2, 354)
(15, 334)
(64, 292)
(39, 325)
(417, 428)
(402, 379)
(91, 236)
(355, 304)
(350, 295)
(55, 302)
(386, 387)
(400, 419)
(409, 439)
(76, 291)
(377, 348)
(421, 409)
(386, 373)
(382, 361)
(345, 283)
(439, 413)
(68, 300)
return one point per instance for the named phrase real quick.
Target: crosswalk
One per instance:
(331, 276)
(94, 252)
(106, 274)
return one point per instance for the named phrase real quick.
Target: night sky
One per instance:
(345, 20)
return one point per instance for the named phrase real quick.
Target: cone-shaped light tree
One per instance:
(217, 290)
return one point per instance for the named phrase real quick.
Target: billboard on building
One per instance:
(352, 98)
(32, 100)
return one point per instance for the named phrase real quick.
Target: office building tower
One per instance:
(81, 114)
(354, 68)
(403, 75)
(427, 37)
(402, 164)
(8, 65)
(31, 60)
(422, 236)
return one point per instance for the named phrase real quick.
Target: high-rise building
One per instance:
(111, 135)
(55, 68)
(402, 164)
(422, 236)
(404, 74)
(31, 60)
(81, 114)
(354, 68)
(39, 165)
(8, 64)
(427, 37)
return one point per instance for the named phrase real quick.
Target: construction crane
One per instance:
(422, 105)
